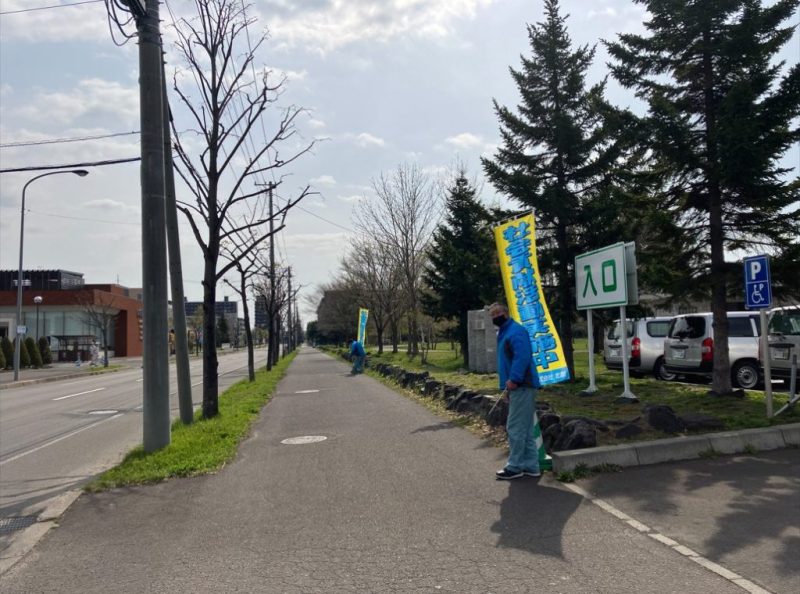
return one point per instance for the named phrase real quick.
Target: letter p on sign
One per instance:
(755, 268)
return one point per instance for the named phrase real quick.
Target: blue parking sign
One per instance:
(757, 283)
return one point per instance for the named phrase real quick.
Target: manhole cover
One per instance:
(304, 439)
(8, 525)
(306, 391)
(103, 412)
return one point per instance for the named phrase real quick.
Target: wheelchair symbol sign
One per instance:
(758, 289)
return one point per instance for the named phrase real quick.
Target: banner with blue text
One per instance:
(363, 314)
(516, 249)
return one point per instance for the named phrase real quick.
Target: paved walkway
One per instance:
(395, 499)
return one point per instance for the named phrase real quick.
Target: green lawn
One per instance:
(736, 413)
(206, 445)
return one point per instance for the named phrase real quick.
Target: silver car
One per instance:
(784, 340)
(645, 346)
(689, 346)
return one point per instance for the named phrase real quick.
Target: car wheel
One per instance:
(745, 375)
(661, 372)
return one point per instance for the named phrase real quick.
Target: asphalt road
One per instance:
(394, 499)
(55, 436)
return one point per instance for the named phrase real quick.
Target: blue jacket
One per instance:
(514, 356)
(357, 349)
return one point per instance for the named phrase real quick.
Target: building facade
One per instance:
(71, 314)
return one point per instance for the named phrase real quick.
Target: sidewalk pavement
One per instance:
(393, 499)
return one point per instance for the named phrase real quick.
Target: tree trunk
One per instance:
(565, 296)
(379, 328)
(463, 336)
(251, 365)
(210, 379)
(395, 332)
(721, 374)
(105, 345)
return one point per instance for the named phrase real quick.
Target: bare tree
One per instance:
(100, 311)
(402, 216)
(227, 104)
(370, 271)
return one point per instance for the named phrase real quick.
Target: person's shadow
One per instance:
(533, 516)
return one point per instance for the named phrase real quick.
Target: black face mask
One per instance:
(499, 320)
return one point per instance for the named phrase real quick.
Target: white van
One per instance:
(784, 340)
(645, 346)
(689, 346)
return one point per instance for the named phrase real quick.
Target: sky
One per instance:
(381, 82)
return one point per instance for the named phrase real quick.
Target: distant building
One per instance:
(261, 317)
(228, 309)
(62, 314)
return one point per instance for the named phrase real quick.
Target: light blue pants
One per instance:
(358, 364)
(523, 454)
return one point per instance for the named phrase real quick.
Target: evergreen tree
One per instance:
(222, 331)
(33, 352)
(24, 357)
(2, 360)
(555, 154)
(8, 351)
(720, 117)
(44, 350)
(462, 271)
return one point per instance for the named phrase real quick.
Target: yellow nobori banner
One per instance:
(363, 315)
(516, 249)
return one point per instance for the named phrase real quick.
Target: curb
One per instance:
(55, 378)
(681, 448)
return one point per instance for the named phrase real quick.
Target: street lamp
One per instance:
(38, 301)
(18, 334)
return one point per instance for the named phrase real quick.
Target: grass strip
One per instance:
(206, 445)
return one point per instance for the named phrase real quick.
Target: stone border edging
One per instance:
(55, 378)
(680, 448)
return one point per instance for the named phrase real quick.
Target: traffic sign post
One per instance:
(607, 278)
(758, 295)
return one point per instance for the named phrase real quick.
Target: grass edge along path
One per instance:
(206, 445)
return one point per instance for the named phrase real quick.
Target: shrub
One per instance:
(8, 352)
(24, 357)
(44, 351)
(33, 352)
(2, 360)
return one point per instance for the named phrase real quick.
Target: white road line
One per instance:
(54, 441)
(78, 394)
(721, 571)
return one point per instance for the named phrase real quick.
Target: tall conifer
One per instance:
(721, 114)
(461, 274)
(555, 153)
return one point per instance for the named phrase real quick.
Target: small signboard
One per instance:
(757, 283)
(606, 277)
(22, 329)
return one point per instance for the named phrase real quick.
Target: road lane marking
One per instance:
(78, 394)
(721, 571)
(56, 440)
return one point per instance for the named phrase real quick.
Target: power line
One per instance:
(70, 139)
(59, 216)
(71, 165)
(313, 214)
(52, 6)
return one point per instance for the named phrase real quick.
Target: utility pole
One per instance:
(176, 269)
(271, 338)
(155, 426)
(290, 332)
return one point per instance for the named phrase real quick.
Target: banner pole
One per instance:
(590, 332)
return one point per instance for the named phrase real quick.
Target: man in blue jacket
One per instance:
(357, 354)
(519, 378)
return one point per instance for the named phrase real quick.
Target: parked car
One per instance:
(689, 346)
(645, 346)
(784, 340)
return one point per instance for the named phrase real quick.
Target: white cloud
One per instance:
(365, 139)
(84, 22)
(324, 180)
(465, 140)
(315, 123)
(605, 11)
(92, 98)
(352, 199)
(326, 26)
